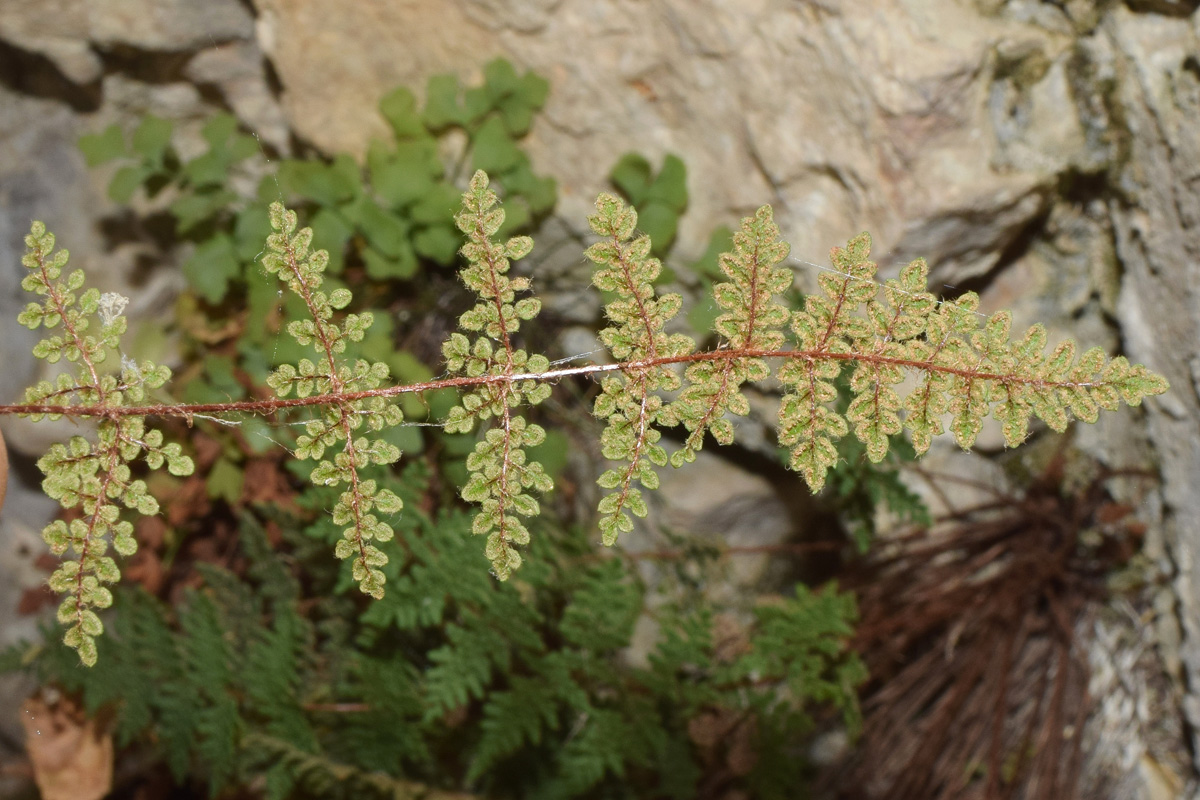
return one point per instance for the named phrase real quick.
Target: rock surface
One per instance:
(1156, 218)
(1045, 154)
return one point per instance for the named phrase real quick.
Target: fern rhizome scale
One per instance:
(967, 372)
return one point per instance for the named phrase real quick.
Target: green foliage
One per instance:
(279, 677)
(660, 200)
(799, 645)
(392, 217)
(635, 335)
(966, 371)
(387, 226)
(289, 257)
(708, 270)
(860, 487)
(454, 681)
(93, 477)
(752, 320)
(499, 468)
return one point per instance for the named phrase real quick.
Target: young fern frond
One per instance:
(341, 418)
(967, 373)
(829, 330)
(500, 471)
(753, 320)
(91, 476)
(628, 401)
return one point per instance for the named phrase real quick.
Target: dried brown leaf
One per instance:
(72, 755)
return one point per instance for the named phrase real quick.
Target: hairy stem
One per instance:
(189, 410)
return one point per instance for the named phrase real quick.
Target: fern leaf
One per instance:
(208, 661)
(602, 612)
(515, 718)
(829, 327)
(462, 667)
(500, 470)
(629, 402)
(92, 476)
(753, 321)
(288, 256)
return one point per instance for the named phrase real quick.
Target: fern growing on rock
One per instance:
(967, 373)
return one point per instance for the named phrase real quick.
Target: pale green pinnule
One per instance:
(629, 402)
(753, 320)
(500, 470)
(93, 477)
(827, 325)
(340, 419)
(969, 371)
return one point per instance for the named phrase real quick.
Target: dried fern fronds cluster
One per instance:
(967, 373)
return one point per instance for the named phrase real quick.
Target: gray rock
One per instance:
(238, 70)
(1044, 153)
(58, 30)
(170, 25)
(1157, 92)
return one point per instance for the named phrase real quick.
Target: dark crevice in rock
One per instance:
(1167, 8)
(1080, 188)
(1017, 247)
(1074, 188)
(29, 73)
(125, 227)
(155, 67)
(274, 83)
(271, 78)
(213, 94)
(1191, 64)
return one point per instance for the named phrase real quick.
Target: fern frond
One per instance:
(500, 469)
(629, 402)
(827, 325)
(209, 661)
(603, 610)
(482, 643)
(519, 716)
(607, 743)
(802, 644)
(463, 667)
(93, 476)
(317, 775)
(272, 679)
(341, 419)
(752, 322)
(969, 372)
(390, 685)
(434, 579)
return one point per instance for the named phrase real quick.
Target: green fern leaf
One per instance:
(500, 469)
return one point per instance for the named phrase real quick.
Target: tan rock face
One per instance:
(1047, 156)
(845, 120)
(1034, 150)
(335, 60)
